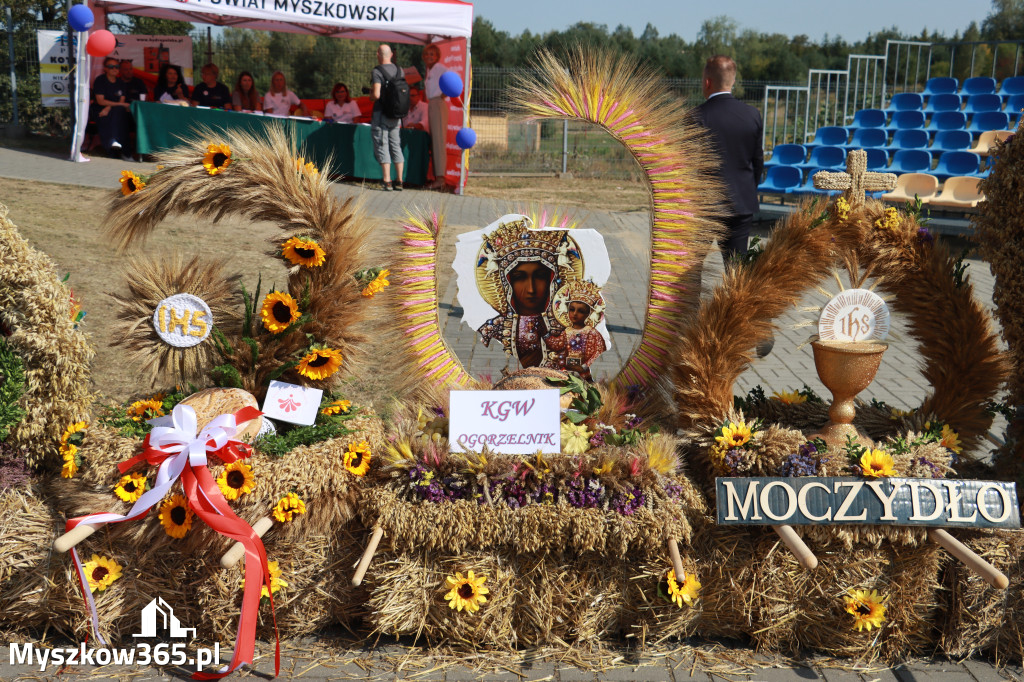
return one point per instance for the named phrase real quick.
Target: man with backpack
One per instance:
(390, 104)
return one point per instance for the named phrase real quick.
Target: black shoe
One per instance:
(398, 186)
(386, 186)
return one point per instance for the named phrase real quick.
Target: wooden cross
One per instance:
(856, 180)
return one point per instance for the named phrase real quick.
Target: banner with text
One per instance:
(512, 422)
(148, 54)
(54, 66)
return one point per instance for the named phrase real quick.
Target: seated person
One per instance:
(137, 90)
(112, 116)
(170, 85)
(342, 108)
(279, 100)
(419, 111)
(246, 97)
(211, 92)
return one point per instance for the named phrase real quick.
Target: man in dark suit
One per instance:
(737, 131)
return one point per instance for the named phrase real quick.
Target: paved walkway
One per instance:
(899, 383)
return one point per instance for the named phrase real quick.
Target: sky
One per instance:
(813, 18)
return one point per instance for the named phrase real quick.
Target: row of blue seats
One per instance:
(945, 141)
(903, 161)
(838, 136)
(791, 180)
(979, 85)
(911, 101)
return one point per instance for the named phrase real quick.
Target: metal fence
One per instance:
(21, 45)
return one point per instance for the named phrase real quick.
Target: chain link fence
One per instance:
(31, 112)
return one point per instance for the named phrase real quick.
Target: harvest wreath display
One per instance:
(539, 508)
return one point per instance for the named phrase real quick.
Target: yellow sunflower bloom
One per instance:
(789, 397)
(279, 311)
(306, 252)
(72, 430)
(734, 435)
(867, 608)
(338, 407)
(950, 439)
(275, 580)
(466, 593)
(877, 463)
(131, 183)
(70, 468)
(686, 592)
(357, 458)
(236, 480)
(131, 487)
(379, 283)
(288, 507)
(145, 409)
(101, 572)
(575, 438)
(320, 363)
(176, 516)
(217, 159)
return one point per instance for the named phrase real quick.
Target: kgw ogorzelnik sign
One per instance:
(882, 501)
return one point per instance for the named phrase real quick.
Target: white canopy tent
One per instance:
(399, 21)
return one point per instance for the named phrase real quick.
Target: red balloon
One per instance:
(101, 43)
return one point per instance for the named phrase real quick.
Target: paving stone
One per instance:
(837, 675)
(939, 670)
(573, 674)
(985, 672)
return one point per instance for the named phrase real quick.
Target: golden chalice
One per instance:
(846, 368)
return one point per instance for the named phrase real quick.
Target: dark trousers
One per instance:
(734, 243)
(115, 126)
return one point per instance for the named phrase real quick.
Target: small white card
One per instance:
(291, 403)
(511, 422)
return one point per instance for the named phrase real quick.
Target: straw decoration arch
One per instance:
(628, 101)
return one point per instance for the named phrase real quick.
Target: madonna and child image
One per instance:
(537, 292)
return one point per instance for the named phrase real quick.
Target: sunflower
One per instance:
(867, 608)
(734, 435)
(575, 438)
(275, 580)
(320, 363)
(950, 439)
(338, 407)
(288, 507)
(71, 431)
(236, 480)
(176, 516)
(876, 463)
(379, 283)
(303, 251)
(466, 593)
(71, 460)
(145, 409)
(101, 572)
(131, 183)
(279, 311)
(789, 397)
(687, 592)
(217, 159)
(131, 487)
(357, 458)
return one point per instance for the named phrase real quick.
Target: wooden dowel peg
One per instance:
(992, 575)
(73, 537)
(364, 563)
(237, 551)
(797, 546)
(677, 563)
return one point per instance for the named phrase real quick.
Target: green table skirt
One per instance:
(349, 148)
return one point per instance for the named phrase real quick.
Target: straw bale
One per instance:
(26, 532)
(978, 618)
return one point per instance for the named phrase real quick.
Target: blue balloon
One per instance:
(80, 17)
(451, 84)
(465, 138)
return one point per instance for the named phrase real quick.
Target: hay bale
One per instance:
(27, 528)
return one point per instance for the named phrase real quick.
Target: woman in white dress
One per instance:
(342, 108)
(279, 99)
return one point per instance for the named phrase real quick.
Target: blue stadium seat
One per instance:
(808, 186)
(909, 139)
(832, 136)
(979, 85)
(957, 163)
(941, 85)
(868, 118)
(1015, 104)
(989, 120)
(948, 120)
(905, 120)
(866, 138)
(787, 155)
(780, 180)
(951, 141)
(828, 158)
(878, 159)
(944, 102)
(979, 103)
(1014, 85)
(911, 161)
(906, 101)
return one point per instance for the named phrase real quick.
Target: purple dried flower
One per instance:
(454, 488)
(733, 459)
(597, 440)
(585, 493)
(673, 490)
(545, 494)
(626, 503)
(13, 469)
(924, 236)
(804, 462)
(632, 421)
(928, 464)
(515, 494)
(634, 393)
